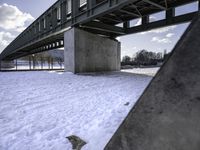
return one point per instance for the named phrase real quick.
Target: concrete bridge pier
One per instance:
(88, 52)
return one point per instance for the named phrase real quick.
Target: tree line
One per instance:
(143, 58)
(47, 56)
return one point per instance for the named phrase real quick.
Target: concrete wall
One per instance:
(69, 50)
(167, 115)
(87, 52)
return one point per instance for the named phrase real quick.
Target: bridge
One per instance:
(166, 116)
(80, 25)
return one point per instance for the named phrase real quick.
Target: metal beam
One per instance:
(101, 33)
(112, 19)
(138, 12)
(104, 27)
(145, 20)
(166, 4)
(104, 9)
(129, 12)
(126, 24)
(161, 23)
(170, 13)
(155, 4)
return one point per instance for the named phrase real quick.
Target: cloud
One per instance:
(139, 22)
(127, 50)
(170, 35)
(5, 39)
(11, 18)
(161, 40)
(161, 30)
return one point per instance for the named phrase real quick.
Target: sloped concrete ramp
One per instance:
(167, 115)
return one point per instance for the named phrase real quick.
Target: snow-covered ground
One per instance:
(146, 71)
(39, 109)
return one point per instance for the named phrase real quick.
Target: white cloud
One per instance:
(151, 18)
(5, 39)
(130, 51)
(170, 35)
(138, 22)
(161, 30)
(161, 40)
(11, 18)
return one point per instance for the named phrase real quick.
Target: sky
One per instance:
(16, 15)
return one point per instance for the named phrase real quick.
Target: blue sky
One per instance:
(16, 15)
(34, 7)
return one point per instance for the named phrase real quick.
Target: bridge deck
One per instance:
(99, 17)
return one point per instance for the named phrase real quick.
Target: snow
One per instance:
(145, 71)
(39, 109)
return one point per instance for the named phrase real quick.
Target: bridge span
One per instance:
(87, 29)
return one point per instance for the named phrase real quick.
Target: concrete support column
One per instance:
(87, 52)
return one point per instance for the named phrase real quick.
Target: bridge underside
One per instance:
(99, 17)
